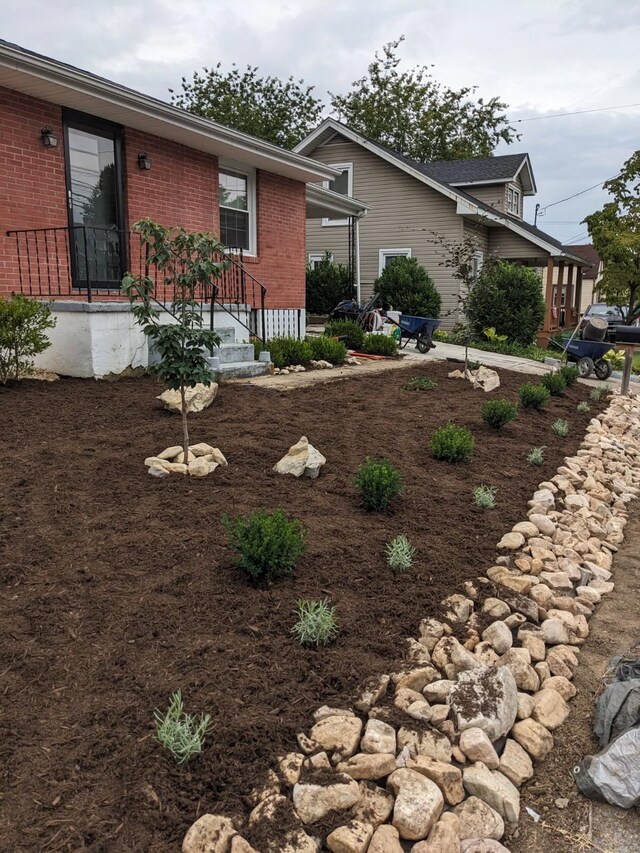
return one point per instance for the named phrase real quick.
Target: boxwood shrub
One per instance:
(351, 332)
(379, 483)
(452, 443)
(379, 345)
(327, 349)
(287, 351)
(554, 383)
(533, 396)
(497, 413)
(268, 544)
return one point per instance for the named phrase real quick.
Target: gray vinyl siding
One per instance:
(404, 213)
(479, 232)
(506, 244)
(492, 194)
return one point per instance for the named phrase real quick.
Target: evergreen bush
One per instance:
(268, 544)
(379, 345)
(23, 322)
(497, 413)
(288, 351)
(452, 443)
(533, 396)
(379, 483)
(351, 332)
(554, 383)
(407, 287)
(327, 284)
(327, 349)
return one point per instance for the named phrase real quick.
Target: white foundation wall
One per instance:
(101, 338)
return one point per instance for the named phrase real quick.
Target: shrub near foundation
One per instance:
(452, 443)
(288, 351)
(268, 545)
(327, 349)
(379, 345)
(352, 333)
(379, 483)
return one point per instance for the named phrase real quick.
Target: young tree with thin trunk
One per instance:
(187, 261)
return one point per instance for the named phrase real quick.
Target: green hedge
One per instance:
(407, 287)
(327, 285)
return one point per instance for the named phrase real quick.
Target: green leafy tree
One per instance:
(507, 297)
(412, 113)
(615, 233)
(327, 285)
(187, 261)
(280, 111)
(23, 323)
(407, 287)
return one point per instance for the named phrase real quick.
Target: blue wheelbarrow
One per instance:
(418, 329)
(587, 355)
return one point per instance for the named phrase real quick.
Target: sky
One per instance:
(542, 57)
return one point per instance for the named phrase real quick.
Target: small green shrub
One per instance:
(23, 323)
(420, 383)
(327, 349)
(569, 374)
(560, 427)
(379, 345)
(327, 284)
(182, 734)
(533, 396)
(452, 443)
(599, 392)
(352, 333)
(536, 456)
(316, 623)
(379, 483)
(554, 383)
(485, 496)
(406, 286)
(268, 545)
(400, 553)
(497, 413)
(288, 351)
(583, 407)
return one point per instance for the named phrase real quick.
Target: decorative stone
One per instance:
(301, 458)
(486, 698)
(196, 399)
(478, 820)
(443, 838)
(452, 658)
(458, 607)
(482, 845)
(290, 767)
(534, 644)
(438, 691)
(425, 742)
(313, 802)
(511, 542)
(554, 632)
(418, 804)
(500, 637)
(368, 766)
(430, 632)
(352, 838)
(201, 466)
(417, 679)
(494, 788)
(171, 452)
(518, 662)
(386, 839)
(496, 607)
(447, 777)
(477, 747)
(515, 763)
(340, 734)
(374, 804)
(561, 685)
(239, 845)
(378, 737)
(527, 528)
(533, 737)
(550, 709)
(372, 694)
(209, 834)
(525, 706)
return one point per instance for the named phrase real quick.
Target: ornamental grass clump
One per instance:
(452, 443)
(560, 427)
(268, 544)
(316, 625)
(533, 396)
(379, 483)
(497, 413)
(583, 407)
(400, 553)
(485, 496)
(182, 734)
(554, 383)
(569, 374)
(420, 383)
(536, 456)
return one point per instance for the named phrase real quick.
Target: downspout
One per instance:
(358, 289)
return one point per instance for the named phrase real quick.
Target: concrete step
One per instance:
(227, 334)
(242, 369)
(233, 352)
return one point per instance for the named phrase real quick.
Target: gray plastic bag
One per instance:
(613, 775)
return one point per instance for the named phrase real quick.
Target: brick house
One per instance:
(82, 158)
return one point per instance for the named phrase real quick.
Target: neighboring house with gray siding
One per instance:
(412, 204)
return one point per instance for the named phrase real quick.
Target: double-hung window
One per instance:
(513, 201)
(238, 208)
(387, 256)
(316, 259)
(342, 184)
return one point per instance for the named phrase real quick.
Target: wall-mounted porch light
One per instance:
(49, 139)
(144, 161)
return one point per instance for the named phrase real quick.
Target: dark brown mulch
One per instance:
(118, 588)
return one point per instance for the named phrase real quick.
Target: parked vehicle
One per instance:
(613, 314)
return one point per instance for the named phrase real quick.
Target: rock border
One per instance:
(436, 754)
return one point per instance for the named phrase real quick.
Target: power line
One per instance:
(576, 113)
(541, 211)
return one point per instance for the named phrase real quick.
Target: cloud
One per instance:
(540, 56)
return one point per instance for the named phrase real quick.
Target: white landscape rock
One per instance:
(486, 698)
(301, 458)
(477, 747)
(339, 733)
(386, 839)
(418, 804)
(197, 398)
(478, 820)
(378, 737)
(352, 838)
(313, 802)
(209, 834)
(484, 378)
(494, 788)
(515, 763)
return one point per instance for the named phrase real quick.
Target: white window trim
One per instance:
(382, 254)
(348, 167)
(513, 200)
(250, 173)
(317, 257)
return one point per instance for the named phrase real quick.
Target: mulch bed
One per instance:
(118, 588)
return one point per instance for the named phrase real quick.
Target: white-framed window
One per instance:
(316, 258)
(513, 200)
(388, 256)
(237, 186)
(477, 262)
(343, 184)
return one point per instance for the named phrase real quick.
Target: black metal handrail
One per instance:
(87, 262)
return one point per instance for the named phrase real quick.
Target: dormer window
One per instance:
(513, 201)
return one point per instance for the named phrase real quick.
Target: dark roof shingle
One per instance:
(475, 170)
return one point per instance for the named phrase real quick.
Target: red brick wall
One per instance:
(181, 188)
